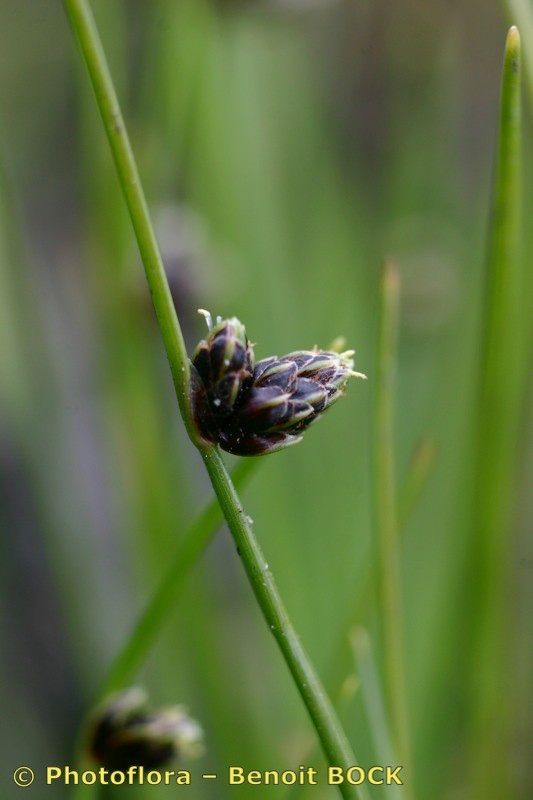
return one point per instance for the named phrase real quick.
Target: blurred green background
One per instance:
(285, 148)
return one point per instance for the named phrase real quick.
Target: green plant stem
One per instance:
(332, 737)
(372, 696)
(334, 742)
(420, 466)
(196, 539)
(85, 29)
(387, 517)
(500, 391)
(418, 472)
(156, 613)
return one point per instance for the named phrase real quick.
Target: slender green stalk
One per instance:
(374, 704)
(156, 613)
(500, 394)
(334, 742)
(421, 464)
(86, 32)
(333, 739)
(198, 536)
(387, 516)
(343, 697)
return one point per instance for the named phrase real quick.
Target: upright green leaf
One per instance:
(374, 705)
(498, 410)
(386, 517)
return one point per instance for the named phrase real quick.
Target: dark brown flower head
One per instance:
(124, 733)
(252, 409)
(224, 363)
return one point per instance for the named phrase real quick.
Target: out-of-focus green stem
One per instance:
(323, 716)
(418, 472)
(372, 696)
(86, 32)
(420, 466)
(501, 384)
(386, 516)
(156, 613)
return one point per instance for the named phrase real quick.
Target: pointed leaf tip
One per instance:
(390, 275)
(512, 45)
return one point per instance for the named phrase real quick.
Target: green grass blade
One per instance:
(420, 467)
(386, 516)
(374, 704)
(502, 372)
(152, 620)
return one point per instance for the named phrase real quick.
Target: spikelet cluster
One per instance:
(252, 408)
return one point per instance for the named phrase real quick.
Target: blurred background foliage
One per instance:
(285, 148)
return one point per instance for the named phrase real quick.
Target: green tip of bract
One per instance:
(124, 733)
(512, 50)
(390, 277)
(512, 44)
(251, 408)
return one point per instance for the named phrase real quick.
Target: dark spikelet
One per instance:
(254, 444)
(123, 733)
(259, 401)
(310, 391)
(256, 408)
(224, 364)
(262, 365)
(201, 362)
(297, 412)
(279, 373)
